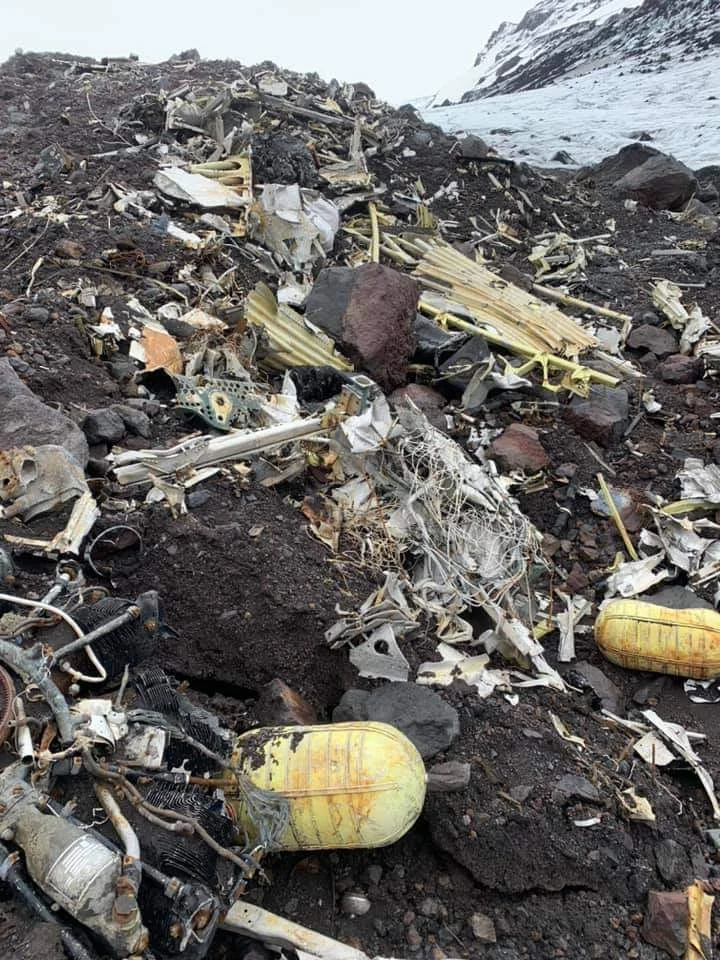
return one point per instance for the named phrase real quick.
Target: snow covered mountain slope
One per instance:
(588, 76)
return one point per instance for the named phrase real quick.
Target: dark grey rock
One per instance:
(423, 716)
(197, 498)
(562, 156)
(610, 696)
(677, 598)
(36, 314)
(672, 861)
(104, 426)
(658, 340)
(448, 777)
(136, 421)
(574, 786)
(473, 147)
(613, 168)
(602, 416)
(25, 419)
(662, 183)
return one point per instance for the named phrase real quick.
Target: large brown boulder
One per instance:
(369, 311)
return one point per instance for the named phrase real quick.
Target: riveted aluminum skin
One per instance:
(348, 785)
(642, 636)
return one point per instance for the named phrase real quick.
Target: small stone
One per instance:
(658, 340)
(197, 498)
(429, 907)
(292, 905)
(279, 704)
(69, 250)
(448, 777)
(666, 921)
(574, 786)
(413, 938)
(680, 369)
(103, 426)
(36, 315)
(519, 448)
(672, 861)
(355, 905)
(602, 416)
(374, 874)
(576, 580)
(483, 928)
(520, 792)
(562, 156)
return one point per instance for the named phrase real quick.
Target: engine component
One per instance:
(11, 874)
(129, 643)
(76, 870)
(195, 735)
(348, 785)
(7, 695)
(183, 918)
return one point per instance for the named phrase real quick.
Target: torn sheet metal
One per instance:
(298, 225)
(380, 657)
(693, 324)
(703, 691)
(37, 480)
(135, 466)
(387, 605)
(471, 670)
(353, 172)
(635, 577)
(201, 112)
(369, 430)
(85, 513)
(653, 751)
(576, 608)
(157, 349)
(222, 403)
(700, 481)
(291, 340)
(198, 190)
(678, 738)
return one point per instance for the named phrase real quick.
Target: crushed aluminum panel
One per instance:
(521, 317)
(292, 341)
(699, 481)
(85, 513)
(380, 657)
(197, 189)
(134, 466)
(636, 577)
(679, 738)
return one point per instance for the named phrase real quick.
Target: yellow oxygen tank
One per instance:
(348, 785)
(642, 636)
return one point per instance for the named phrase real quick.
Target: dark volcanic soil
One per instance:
(250, 592)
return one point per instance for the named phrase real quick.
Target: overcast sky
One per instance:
(403, 49)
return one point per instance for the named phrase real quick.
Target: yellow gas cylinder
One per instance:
(358, 784)
(642, 636)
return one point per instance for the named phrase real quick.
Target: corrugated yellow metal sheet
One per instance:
(642, 636)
